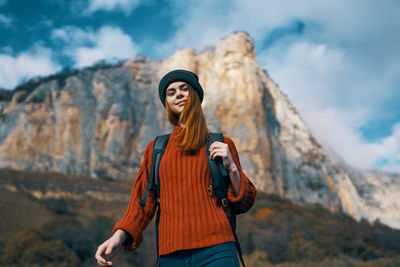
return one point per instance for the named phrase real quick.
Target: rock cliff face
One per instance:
(98, 122)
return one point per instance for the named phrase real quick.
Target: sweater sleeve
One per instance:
(136, 217)
(247, 194)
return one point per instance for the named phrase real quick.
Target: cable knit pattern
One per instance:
(189, 218)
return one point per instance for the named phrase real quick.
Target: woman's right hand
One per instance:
(109, 248)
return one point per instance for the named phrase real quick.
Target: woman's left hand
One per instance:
(218, 149)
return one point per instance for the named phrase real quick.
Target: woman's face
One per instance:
(176, 96)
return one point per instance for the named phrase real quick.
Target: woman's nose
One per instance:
(179, 93)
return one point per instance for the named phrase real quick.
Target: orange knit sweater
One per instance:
(189, 217)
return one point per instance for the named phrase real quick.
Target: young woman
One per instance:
(193, 229)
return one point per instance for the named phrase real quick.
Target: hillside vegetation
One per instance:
(64, 227)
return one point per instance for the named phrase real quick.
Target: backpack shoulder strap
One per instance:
(217, 170)
(158, 149)
(219, 177)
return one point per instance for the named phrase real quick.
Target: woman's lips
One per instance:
(181, 103)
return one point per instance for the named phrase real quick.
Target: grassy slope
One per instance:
(275, 230)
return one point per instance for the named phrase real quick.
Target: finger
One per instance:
(108, 251)
(215, 144)
(101, 263)
(99, 254)
(218, 150)
(218, 146)
(217, 153)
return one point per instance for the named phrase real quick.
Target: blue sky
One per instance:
(337, 61)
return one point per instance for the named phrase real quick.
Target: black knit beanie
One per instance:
(181, 76)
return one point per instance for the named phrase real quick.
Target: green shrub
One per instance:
(50, 253)
(18, 243)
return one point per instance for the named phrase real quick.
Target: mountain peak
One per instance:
(237, 41)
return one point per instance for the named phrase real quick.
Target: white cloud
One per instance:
(86, 47)
(332, 97)
(323, 75)
(74, 35)
(388, 149)
(334, 128)
(126, 6)
(36, 61)
(6, 20)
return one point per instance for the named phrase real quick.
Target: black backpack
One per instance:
(219, 184)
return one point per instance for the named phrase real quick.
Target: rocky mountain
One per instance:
(98, 121)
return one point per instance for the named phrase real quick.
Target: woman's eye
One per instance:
(186, 88)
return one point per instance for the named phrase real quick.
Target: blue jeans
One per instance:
(219, 255)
